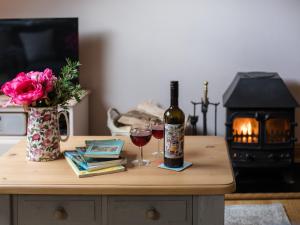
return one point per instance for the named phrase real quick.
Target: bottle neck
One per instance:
(174, 97)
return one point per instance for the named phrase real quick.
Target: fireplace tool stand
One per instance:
(204, 108)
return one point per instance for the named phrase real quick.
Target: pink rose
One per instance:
(36, 137)
(8, 89)
(28, 92)
(46, 142)
(47, 79)
(48, 133)
(27, 88)
(34, 75)
(47, 117)
(37, 151)
(23, 90)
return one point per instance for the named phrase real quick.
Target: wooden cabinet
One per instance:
(50, 210)
(146, 210)
(48, 193)
(111, 210)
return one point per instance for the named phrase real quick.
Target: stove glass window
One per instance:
(277, 130)
(245, 130)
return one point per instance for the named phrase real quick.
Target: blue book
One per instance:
(80, 172)
(103, 148)
(90, 164)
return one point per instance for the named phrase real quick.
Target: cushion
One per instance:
(135, 117)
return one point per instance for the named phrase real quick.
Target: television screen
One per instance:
(35, 44)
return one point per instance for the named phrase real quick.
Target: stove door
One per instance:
(278, 130)
(244, 130)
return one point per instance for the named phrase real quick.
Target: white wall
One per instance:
(131, 49)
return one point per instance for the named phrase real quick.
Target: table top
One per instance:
(211, 173)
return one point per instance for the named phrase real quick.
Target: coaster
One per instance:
(178, 169)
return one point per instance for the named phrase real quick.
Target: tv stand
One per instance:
(77, 115)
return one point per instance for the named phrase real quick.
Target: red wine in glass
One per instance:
(157, 127)
(158, 133)
(140, 137)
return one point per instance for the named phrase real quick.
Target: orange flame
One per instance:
(246, 128)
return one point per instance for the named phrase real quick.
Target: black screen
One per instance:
(35, 44)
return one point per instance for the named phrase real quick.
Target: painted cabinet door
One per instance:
(58, 210)
(148, 210)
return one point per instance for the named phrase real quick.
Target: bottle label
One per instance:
(174, 140)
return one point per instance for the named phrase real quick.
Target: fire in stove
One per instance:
(245, 130)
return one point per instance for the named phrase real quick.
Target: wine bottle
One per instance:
(174, 131)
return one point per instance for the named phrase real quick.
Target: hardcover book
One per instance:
(103, 148)
(80, 172)
(91, 164)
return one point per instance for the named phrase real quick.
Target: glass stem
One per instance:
(158, 145)
(141, 158)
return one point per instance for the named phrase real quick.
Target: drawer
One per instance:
(58, 210)
(147, 210)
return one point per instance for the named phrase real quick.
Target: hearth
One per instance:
(260, 123)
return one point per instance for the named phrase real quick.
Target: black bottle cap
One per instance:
(174, 84)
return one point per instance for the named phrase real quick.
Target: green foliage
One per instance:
(64, 89)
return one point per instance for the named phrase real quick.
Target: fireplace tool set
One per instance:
(204, 109)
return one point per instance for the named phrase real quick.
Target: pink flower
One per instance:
(36, 137)
(23, 90)
(48, 133)
(47, 79)
(7, 87)
(46, 142)
(37, 151)
(34, 75)
(47, 117)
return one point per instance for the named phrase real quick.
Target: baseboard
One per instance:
(262, 196)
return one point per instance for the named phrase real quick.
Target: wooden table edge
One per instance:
(117, 190)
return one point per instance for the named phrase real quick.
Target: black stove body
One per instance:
(260, 121)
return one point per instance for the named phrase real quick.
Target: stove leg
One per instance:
(288, 176)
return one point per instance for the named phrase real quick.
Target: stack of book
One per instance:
(97, 157)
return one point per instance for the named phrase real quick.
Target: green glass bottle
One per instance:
(174, 131)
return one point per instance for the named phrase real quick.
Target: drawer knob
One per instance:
(60, 214)
(152, 214)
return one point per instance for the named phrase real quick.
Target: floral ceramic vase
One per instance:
(43, 137)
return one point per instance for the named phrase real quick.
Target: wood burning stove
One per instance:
(260, 124)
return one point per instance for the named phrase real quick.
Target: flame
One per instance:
(246, 128)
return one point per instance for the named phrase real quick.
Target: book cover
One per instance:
(104, 148)
(91, 164)
(80, 172)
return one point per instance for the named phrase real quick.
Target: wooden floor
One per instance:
(291, 205)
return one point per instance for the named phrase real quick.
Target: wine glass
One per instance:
(157, 127)
(140, 135)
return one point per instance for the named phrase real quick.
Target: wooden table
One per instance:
(51, 193)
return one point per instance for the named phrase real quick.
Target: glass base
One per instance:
(140, 162)
(158, 154)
